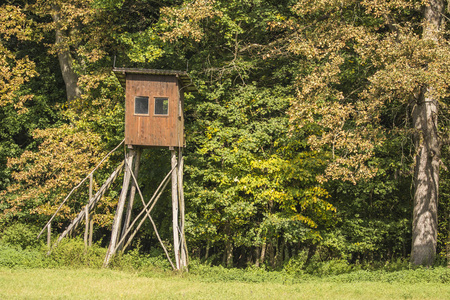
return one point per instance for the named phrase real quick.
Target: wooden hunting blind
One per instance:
(154, 101)
(153, 117)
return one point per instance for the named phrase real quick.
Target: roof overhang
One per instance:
(182, 76)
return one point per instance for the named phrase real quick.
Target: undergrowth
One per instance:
(20, 249)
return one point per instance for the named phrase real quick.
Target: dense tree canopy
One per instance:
(319, 127)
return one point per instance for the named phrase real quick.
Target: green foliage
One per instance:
(419, 275)
(20, 235)
(206, 273)
(329, 267)
(135, 260)
(16, 257)
(72, 253)
(298, 139)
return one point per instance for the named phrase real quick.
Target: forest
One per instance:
(318, 128)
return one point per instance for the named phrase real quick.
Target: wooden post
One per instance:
(49, 235)
(183, 247)
(91, 221)
(87, 219)
(120, 206)
(176, 241)
(127, 221)
(91, 231)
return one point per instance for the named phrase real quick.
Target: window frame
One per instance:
(154, 108)
(148, 106)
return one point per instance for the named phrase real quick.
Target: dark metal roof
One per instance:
(182, 76)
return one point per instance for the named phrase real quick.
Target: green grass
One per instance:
(72, 273)
(110, 284)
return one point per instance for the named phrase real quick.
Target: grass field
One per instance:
(110, 284)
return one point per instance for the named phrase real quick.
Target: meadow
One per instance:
(74, 272)
(113, 284)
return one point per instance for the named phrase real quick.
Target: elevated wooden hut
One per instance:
(154, 101)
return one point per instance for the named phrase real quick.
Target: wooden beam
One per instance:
(127, 221)
(175, 227)
(120, 206)
(87, 221)
(151, 219)
(49, 236)
(153, 200)
(183, 254)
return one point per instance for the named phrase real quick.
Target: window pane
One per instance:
(141, 105)
(161, 106)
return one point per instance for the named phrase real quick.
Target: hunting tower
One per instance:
(153, 118)
(154, 101)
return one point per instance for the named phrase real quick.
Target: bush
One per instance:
(21, 235)
(296, 265)
(134, 260)
(72, 253)
(330, 267)
(418, 275)
(16, 257)
(208, 273)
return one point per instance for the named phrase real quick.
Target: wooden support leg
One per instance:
(127, 221)
(87, 220)
(120, 206)
(147, 211)
(91, 230)
(49, 236)
(176, 241)
(183, 254)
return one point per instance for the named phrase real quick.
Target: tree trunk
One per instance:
(65, 59)
(257, 256)
(426, 180)
(279, 259)
(207, 250)
(229, 253)
(426, 177)
(447, 246)
(263, 253)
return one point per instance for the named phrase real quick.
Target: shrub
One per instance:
(208, 273)
(134, 260)
(330, 267)
(72, 253)
(21, 235)
(418, 275)
(296, 265)
(16, 257)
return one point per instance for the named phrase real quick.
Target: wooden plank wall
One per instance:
(151, 130)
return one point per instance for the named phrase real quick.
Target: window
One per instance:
(162, 106)
(141, 105)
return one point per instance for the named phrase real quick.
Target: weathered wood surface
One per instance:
(127, 221)
(183, 246)
(151, 129)
(152, 201)
(147, 212)
(115, 231)
(175, 226)
(87, 216)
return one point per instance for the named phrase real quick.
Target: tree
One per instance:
(403, 60)
(428, 149)
(252, 196)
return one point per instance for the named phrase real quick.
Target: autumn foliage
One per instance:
(319, 127)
